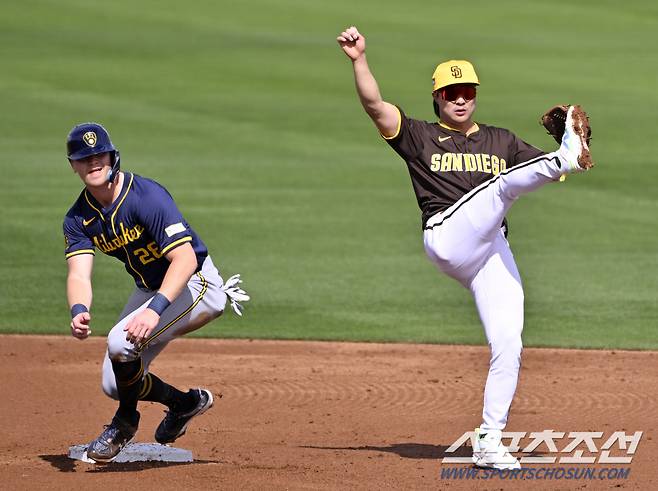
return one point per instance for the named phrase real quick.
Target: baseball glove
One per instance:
(554, 121)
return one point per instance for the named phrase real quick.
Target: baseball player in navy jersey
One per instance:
(178, 288)
(466, 176)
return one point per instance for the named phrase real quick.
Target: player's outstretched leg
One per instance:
(176, 420)
(459, 238)
(490, 202)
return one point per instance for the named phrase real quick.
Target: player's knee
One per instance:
(510, 342)
(118, 348)
(216, 311)
(507, 347)
(506, 189)
(216, 306)
(209, 314)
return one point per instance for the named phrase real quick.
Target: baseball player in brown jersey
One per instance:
(466, 176)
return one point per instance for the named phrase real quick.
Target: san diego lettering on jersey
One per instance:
(467, 162)
(444, 164)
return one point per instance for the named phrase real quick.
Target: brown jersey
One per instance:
(445, 164)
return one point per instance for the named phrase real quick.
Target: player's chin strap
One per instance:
(234, 293)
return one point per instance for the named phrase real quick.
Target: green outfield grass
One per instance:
(246, 111)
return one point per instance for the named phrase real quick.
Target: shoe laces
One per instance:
(107, 429)
(115, 429)
(168, 414)
(171, 415)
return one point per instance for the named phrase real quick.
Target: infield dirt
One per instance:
(314, 415)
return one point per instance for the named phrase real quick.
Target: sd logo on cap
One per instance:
(454, 72)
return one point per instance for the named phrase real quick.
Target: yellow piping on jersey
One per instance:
(397, 130)
(470, 131)
(174, 244)
(117, 235)
(97, 210)
(204, 288)
(81, 251)
(122, 199)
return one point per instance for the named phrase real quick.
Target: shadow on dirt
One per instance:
(417, 450)
(65, 464)
(408, 450)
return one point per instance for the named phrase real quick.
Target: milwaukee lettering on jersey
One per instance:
(139, 228)
(125, 236)
(444, 164)
(467, 162)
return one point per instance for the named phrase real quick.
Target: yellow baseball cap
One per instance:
(454, 72)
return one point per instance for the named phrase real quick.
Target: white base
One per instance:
(138, 452)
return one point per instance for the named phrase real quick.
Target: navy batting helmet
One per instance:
(89, 139)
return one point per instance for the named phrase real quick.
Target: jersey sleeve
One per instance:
(408, 139)
(75, 240)
(521, 151)
(162, 219)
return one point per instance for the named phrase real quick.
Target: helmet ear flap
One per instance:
(115, 158)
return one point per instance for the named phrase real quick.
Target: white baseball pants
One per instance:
(466, 243)
(200, 302)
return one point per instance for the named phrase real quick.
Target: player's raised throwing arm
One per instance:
(385, 116)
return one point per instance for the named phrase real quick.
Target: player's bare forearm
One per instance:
(367, 87)
(78, 280)
(383, 114)
(79, 292)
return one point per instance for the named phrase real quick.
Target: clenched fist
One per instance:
(80, 325)
(352, 42)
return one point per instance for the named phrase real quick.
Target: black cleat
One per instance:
(175, 423)
(109, 444)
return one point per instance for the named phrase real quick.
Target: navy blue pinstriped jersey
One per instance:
(138, 228)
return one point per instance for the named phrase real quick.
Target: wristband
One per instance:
(78, 308)
(159, 303)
